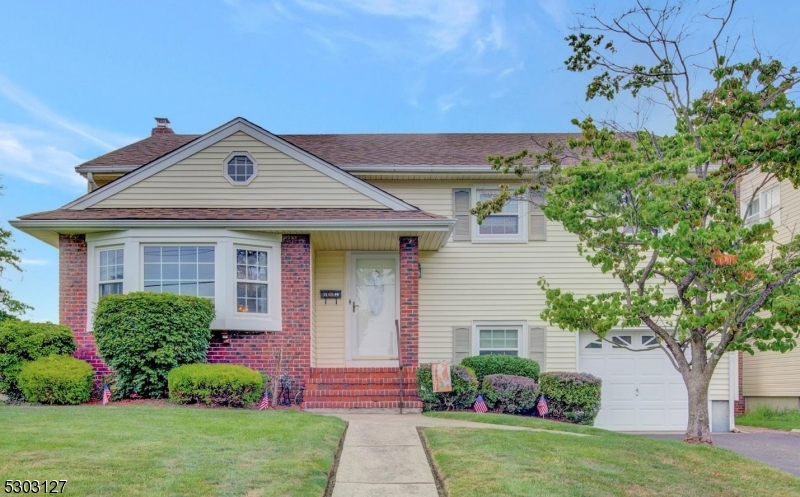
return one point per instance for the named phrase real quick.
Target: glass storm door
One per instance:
(373, 308)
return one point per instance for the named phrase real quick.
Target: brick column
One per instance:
(72, 299)
(739, 404)
(295, 337)
(409, 300)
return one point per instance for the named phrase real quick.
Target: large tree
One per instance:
(660, 212)
(9, 257)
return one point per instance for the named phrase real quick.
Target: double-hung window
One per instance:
(763, 207)
(252, 281)
(499, 340)
(504, 225)
(112, 264)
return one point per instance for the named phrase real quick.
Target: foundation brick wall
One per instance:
(72, 299)
(409, 301)
(262, 351)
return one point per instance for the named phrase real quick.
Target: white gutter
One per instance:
(75, 225)
(106, 169)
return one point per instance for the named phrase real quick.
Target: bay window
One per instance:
(237, 271)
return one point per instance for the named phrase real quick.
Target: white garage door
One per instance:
(642, 391)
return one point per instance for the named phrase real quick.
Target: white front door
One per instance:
(373, 308)
(641, 391)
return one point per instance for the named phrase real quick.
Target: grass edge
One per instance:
(438, 477)
(335, 465)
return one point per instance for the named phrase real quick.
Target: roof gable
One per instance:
(290, 183)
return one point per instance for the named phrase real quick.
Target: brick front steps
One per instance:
(360, 388)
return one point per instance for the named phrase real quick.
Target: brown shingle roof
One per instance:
(230, 214)
(467, 149)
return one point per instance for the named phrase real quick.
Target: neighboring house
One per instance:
(263, 224)
(771, 378)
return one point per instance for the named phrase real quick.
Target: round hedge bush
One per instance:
(227, 385)
(56, 379)
(23, 341)
(484, 365)
(142, 336)
(573, 397)
(465, 389)
(511, 394)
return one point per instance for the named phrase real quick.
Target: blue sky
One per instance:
(78, 79)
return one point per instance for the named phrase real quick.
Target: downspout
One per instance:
(92, 185)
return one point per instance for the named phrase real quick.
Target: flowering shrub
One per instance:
(511, 394)
(465, 389)
(573, 397)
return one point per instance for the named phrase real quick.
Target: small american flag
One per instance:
(480, 405)
(541, 406)
(264, 402)
(106, 394)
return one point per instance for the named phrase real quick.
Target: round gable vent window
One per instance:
(240, 168)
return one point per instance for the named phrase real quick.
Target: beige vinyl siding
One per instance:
(465, 282)
(768, 374)
(329, 331)
(720, 386)
(198, 181)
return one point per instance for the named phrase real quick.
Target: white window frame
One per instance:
(224, 242)
(100, 282)
(520, 326)
(236, 279)
(522, 218)
(225, 168)
(763, 213)
(144, 246)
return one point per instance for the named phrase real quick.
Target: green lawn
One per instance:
(776, 419)
(154, 450)
(493, 462)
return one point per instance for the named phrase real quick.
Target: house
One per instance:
(315, 245)
(770, 378)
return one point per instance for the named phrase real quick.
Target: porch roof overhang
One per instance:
(335, 228)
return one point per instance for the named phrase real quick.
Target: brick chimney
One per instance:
(162, 127)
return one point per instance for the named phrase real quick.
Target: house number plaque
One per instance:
(330, 294)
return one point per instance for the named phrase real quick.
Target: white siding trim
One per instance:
(241, 125)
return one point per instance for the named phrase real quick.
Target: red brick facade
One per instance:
(409, 301)
(360, 388)
(739, 403)
(72, 301)
(292, 345)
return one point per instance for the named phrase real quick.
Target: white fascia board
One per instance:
(121, 169)
(310, 225)
(224, 131)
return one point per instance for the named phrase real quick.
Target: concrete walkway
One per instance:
(383, 455)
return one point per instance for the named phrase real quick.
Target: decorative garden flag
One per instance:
(264, 402)
(440, 373)
(541, 406)
(480, 405)
(106, 394)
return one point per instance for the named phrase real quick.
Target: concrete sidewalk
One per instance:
(383, 455)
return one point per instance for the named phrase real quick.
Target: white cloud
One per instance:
(558, 12)
(39, 110)
(444, 103)
(37, 157)
(445, 22)
(318, 8)
(414, 91)
(34, 262)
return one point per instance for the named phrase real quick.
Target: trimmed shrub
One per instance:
(227, 385)
(465, 389)
(142, 336)
(22, 341)
(574, 397)
(485, 365)
(511, 394)
(56, 379)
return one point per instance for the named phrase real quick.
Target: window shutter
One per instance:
(462, 343)
(461, 204)
(536, 344)
(537, 223)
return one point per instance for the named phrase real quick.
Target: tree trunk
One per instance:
(698, 430)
